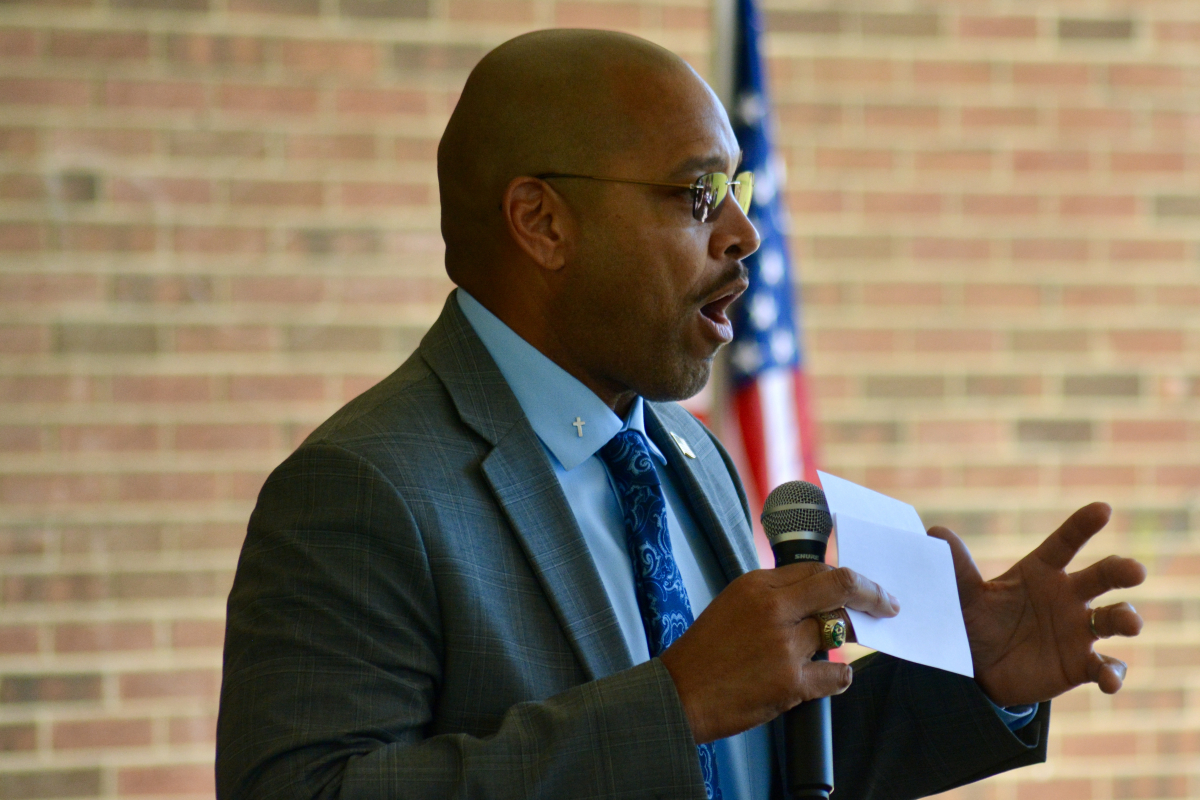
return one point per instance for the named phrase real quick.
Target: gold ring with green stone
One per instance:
(833, 631)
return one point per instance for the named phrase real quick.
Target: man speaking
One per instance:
(516, 569)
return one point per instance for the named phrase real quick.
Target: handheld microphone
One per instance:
(797, 522)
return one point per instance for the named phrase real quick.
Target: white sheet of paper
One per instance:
(919, 572)
(846, 497)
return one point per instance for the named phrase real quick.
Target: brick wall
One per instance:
(219, 223)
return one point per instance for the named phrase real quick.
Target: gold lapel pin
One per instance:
(684, 447)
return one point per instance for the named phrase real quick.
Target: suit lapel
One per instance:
(528, 492)
(726, 528)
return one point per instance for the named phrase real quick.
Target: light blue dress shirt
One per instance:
(573, 424)
(554, 400)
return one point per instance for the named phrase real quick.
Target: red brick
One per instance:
(18, 43)
(959, 432)
(157, 94)
(1147, 341)
(951, 249)
(21, 236)
(1149, 430)
(844, 159)
(1099, 295)
(163, 585)
(1177, 295)
(955, 161)
(1144, 76)
(101, 237)
(52, 489)
(276, 193)
(20, 439)
(896, 294)
(108, 438)
(160, 486)
(198, 633)
(1008, 27)
(49, 688)
(167, 191)
(1087, 475)
(24, 339)
(1163, 250)
(192, 730)
(1000, 477)
(516, 11)
(385, 194)
(1098, 206)
(955, 341)
(369, 289)
(408, 148)
(103, 636)
(852, 70)
(1001, 205)
(277, 387)
(381, 101)
(204, 50)
(71, 142)
(18, 639)
(267, 99)
(1177, 31)
(1001, 294)
(19, 141)
(1000, 117)
(44, 92)
(217, 144)
(901, 117)
(801, 202)
(282, 289)
(43, 389)
(198, 683)
(101, 733)
(205, 239)
(901, 203)
(99, 45)
(1148, 162)
(952, 72)
(577, 14)
(1093, 120)
(886, 478)
(1055, 789)
(856, 341)
(1050, 161)
(23, 288)
(22, 187)
(1059, 75)
(224, 339)
(55, 588)
(294, 7)
(357, 59)
(1175, 742)
(162, 389)
(214, 436)
(1050, 250)
(189, 779)
(17, 737)
(336, 147)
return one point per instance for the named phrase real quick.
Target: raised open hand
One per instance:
(1031, 628)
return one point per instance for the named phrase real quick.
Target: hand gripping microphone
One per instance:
(797, 522)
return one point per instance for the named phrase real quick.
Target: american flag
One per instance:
(769, 415)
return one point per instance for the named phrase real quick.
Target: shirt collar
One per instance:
(551, 397)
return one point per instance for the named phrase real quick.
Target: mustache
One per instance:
(737, 272)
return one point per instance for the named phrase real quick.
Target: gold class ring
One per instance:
(833, 630)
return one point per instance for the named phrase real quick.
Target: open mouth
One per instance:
(714, 310)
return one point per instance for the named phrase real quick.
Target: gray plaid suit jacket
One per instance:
(416, 615)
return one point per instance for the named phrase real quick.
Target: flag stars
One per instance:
(763, 310)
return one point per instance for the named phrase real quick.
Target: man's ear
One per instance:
(538, 220)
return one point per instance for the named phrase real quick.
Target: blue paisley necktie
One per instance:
(661, 595)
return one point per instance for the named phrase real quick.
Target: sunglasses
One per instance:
(708, 192)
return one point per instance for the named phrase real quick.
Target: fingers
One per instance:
(1062, 545)
(822, 679)
(1106, 672)
(965, 572)
(839, 588)
(1117, 620)
(1110, 573)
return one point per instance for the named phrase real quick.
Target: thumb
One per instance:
(965, 572)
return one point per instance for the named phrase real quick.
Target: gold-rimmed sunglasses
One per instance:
(708, 191)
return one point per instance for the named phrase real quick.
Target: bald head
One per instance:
(548, 101)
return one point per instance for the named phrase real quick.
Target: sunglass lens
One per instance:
(708, 193)
(743, 191)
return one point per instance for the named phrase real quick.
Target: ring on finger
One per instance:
(1092, 624)
(833, 630)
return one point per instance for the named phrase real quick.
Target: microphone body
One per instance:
(797, 521)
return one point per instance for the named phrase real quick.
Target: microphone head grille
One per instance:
(777, 519)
